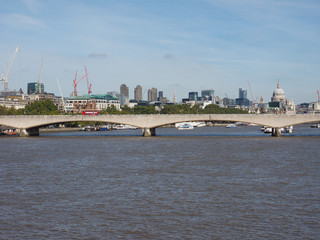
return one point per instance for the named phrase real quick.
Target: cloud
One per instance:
(20, 21)
(33, 5)
(97, 55)
(168, 56)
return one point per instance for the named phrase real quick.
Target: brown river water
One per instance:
(206, 183)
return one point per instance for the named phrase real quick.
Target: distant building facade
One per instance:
(124, 90)
(124, 95)
(207, 94)
(138, 93)
(152, 94)
(279, 102)
(243, 100)
(193, 96)
(35, 88)
(77, 104)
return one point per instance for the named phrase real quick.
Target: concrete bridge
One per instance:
(29, 124)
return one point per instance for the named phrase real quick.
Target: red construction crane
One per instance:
(88, 85)
(75, 82)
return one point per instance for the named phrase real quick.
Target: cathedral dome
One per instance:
(278, 94)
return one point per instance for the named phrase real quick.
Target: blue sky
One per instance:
(173, 45)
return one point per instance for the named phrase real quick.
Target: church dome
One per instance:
(278, 94)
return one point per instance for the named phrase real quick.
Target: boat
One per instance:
(316, 126)
(124, 127)
(102, 128)
(288, 129)
(193, 124)
(185, 127)
(231, 125)
(267, 130)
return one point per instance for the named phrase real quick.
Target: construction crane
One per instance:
(5, 76)
(75, 82)
(88, 85)
(64, 108)
(40, 78)
(253, 100)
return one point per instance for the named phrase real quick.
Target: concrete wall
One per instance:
(157, 120)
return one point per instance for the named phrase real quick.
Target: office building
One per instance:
(207, 94)
(138, 93)
(193, 96)
(124, 90)
(152, 94)
(34, 88)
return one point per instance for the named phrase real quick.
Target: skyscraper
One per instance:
(242, 93)
(152, 94)
(138, 93)
(124, 90)
(160, 98)
(33, 88)
(242, 100)
(193, 96)
(207, 94)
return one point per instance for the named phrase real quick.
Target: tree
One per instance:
(42, 107)
(110, 110)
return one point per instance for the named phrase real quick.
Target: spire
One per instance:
(278, 85)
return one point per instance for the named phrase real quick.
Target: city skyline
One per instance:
(175, 46)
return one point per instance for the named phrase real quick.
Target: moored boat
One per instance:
(185, 127)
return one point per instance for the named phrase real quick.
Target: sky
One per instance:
(176, 46)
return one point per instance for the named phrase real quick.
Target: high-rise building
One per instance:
(207, 94)
(160, 98)
(242, 100)
(138, 93)
(242, 93)
(124, 90)
(193, 96)
(34, 88)
(152, 94)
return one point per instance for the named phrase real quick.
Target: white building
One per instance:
(76, 104)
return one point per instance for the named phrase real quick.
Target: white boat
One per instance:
(185, 127)
(193, 124)
(231, 125)
(201, 124)
(124, 127)
(267, 130)
(316, 126)
(288, 129)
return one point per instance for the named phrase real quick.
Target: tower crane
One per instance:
(5, 76)
(253, 100)
(75, 82)
(88, 85)
(64, 108)
(40, 78)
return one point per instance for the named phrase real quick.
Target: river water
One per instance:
(207, 183)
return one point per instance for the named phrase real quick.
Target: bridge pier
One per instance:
(27, 132)
(148, 132)
(276, 132)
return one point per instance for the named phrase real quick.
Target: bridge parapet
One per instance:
(158, 120)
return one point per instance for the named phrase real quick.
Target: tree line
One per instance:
(47, 107)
